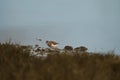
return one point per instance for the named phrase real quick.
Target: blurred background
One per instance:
(91, 23)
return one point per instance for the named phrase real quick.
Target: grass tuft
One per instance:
(16, 64)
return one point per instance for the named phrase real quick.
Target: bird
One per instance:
(68, 49)
(81, 49)
(39, 39)
(52, 44)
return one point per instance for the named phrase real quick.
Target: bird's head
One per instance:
(47, 41)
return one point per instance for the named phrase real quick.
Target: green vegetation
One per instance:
(16, 64)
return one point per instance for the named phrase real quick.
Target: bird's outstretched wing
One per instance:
(53, 42)
(39, 39)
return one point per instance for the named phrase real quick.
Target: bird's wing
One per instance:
(39, 39)
(54, 42)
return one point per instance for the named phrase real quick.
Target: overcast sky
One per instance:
(91, 23)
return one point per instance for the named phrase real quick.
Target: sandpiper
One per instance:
(52, 44)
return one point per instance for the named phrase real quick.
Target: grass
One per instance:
(16, 64)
